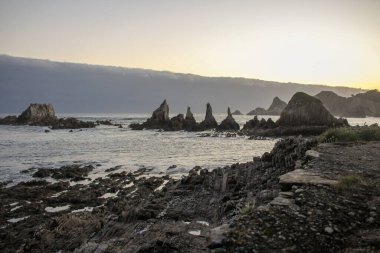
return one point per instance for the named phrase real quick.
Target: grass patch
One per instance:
(348, 182)
(247, 209)
(349, 134)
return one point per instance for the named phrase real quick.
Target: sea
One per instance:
(104, 147)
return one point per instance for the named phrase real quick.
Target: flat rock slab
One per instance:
(312, 154)
(280, 201)
(299, 177)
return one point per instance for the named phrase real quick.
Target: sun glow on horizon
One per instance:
(313, 42)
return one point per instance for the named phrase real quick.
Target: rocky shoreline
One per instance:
(292, 199)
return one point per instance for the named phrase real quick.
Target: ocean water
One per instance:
(23, 147)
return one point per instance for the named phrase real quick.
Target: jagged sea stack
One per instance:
(190, 123)
(209, 122)
(38, 114)
(229, 123)
(161, 114)
(305, 110)
(159, 120)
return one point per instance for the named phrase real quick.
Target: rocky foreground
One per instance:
(292, 199)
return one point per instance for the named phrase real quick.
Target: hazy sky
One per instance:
(335, 42)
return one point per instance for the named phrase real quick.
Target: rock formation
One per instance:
(44, 115)
(305, 110)
(37, 114)
(159, 120)
(190, 123)
(255, 123)
(177, 123)
(209, 122)
(237, 112)
(258, 111)
(276, 107)
(360, 105)
(229, 123)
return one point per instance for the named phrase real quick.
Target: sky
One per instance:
(333, 42)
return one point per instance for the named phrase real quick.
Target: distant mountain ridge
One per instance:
(360, 105)
(73, 87)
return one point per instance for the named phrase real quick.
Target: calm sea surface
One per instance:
(23, 147)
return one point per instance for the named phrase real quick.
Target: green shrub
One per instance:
(362, 133)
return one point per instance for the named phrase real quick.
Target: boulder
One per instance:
(209, 122)
(276, 107)
(37, 114)
(305, 110)
(9, 120)
(237, 112)
(229, 123)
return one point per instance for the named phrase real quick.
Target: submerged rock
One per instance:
(229, 123)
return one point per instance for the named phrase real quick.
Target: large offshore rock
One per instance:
(237, 112)
(190, 123)
(37, 114)
(209, 122)
(159, 120)
(305, 110)
(229, 123)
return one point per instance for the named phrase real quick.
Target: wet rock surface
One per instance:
(239, 208)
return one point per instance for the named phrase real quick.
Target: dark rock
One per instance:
(305, 110)
(65, 172)
(9, 120)
(104, 122)
(251, 124)
(190, 123)
(209, 122)
(177, 123)
(228, 123)
(71, 123)
(158, 120)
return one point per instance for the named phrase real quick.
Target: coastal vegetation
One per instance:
(356, 133)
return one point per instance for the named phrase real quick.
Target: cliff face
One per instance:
(305, 110)
(37, 114)
(360, 105)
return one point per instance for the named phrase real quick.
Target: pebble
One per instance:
(329, 230)
(299, 190)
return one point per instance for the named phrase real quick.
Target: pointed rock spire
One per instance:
(229, 123)
(209, 122)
